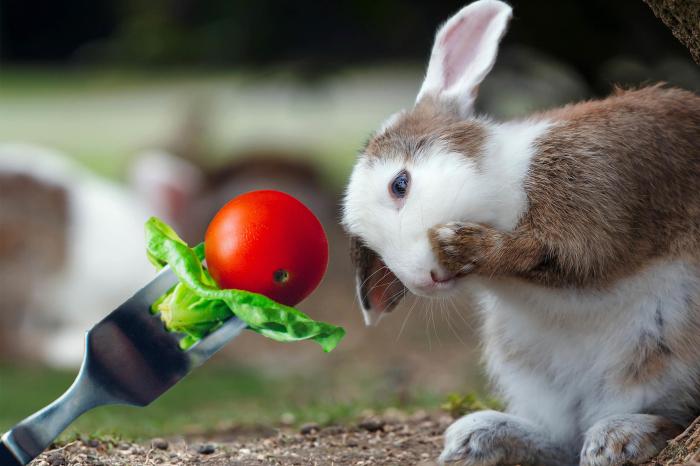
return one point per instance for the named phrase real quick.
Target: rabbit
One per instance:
(71, 251)
(578, 230)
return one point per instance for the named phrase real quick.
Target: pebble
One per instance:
(420, 415)
(371, 425)
(93, 443)
(56, 458)
(160, 443)
(309, 428)
(395, 415)
(332, 430)
(287, 418)
(206, 449)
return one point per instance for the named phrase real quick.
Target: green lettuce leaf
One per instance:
(196, 305)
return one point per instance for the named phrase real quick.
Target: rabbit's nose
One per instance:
(441, 277)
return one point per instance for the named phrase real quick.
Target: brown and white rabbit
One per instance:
(578, 229)
(71, 250)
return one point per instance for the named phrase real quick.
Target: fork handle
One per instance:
(7, 458)
(24, 442)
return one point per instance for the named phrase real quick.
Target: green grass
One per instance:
(211, 398)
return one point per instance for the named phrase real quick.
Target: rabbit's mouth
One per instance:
(439, 283)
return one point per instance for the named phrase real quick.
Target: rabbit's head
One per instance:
(422, 168)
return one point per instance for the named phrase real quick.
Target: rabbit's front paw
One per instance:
(624, 439)
(483, 438)
(459, 246)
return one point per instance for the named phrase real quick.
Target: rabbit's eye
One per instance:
(399, 186)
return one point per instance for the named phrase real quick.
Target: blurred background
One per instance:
(115, 110)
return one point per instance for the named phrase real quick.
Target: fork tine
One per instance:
(205, 348)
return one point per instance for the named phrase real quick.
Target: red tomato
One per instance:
(269, 243)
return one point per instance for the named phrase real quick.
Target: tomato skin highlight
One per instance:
(267, 242)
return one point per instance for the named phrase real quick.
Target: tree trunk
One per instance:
(682, 450)
(683, 19)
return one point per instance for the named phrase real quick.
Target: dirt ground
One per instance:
(393, 439)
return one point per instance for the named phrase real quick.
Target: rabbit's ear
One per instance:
(165, 182)
(378, 289)
(464, 52)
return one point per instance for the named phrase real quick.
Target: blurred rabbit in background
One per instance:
(71, 249)
(71, 242)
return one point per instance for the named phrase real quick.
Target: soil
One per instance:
(393, 439)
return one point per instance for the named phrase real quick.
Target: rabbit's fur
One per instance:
(578, 229)
(77, 252)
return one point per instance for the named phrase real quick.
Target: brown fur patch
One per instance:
(33, 223)
(424, 126)
(483, 249)
(613, 187)
(684, 342)
(648, 360)
(33, 242)
(653, 354)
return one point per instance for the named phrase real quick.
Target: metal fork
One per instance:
(129, 359)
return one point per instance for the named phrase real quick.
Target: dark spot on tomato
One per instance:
(280, 276)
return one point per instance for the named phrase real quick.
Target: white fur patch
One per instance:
(40, 163)
(511, 148)
(580, 342)
(446, 234)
